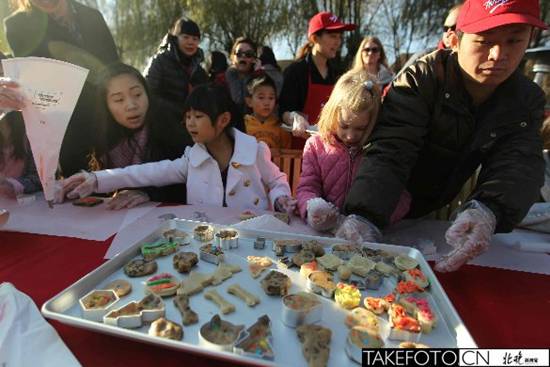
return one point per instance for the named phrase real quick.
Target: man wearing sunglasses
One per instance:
(448, 114)
(243, 63)
(449, 27)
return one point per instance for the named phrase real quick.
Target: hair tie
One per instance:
(368, 84)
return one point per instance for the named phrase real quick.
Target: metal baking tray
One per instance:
(64, 307)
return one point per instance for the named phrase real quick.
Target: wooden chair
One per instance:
(290, 162)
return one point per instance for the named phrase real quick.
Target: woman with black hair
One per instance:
(176, 68)
(132, 131)
(271, 67)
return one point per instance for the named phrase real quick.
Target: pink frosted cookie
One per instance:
(163, 285)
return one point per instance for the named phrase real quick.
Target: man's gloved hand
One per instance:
(127, 199)
(322, 215)
(470, 235)
(10, 97)
(80, 185)
(285, 204)
(299, 125)
(358, 229)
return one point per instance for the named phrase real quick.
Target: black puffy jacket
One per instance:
(429, 139)
(171, 76)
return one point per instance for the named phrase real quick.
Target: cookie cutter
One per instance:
(96, 313)
(327, 292)
(259, 243)
(217, 323)
(139, 313)
(227, 238)
(257, 340)
(203, 233)
(301, 308)
(179, 237)
(211, 253)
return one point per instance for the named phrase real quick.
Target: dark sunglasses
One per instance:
(248, 53)
(374, 50)
(449, 28)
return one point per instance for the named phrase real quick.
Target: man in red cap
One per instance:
(309, 80)
(448, 114)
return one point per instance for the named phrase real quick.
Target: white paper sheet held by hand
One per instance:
(52, 88)
(26, 339)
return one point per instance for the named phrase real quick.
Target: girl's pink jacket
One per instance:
(328, 171)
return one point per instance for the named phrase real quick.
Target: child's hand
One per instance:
(470, 235)
(299, 125)
(10, 98)
(80, 185)
(127, 199)
(321, 215)
(285, 204)
(6, 189)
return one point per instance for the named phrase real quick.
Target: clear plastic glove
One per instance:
(358, 229)
(470, 235)
(127, 199)
(322, 215)
(285, 204)
(299, 125)
(10, 97)
(80, 185)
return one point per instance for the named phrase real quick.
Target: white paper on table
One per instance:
(143, 227)
(26, 339)
(90, 223)
(52, 88)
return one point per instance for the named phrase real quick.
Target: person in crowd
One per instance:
(176, 67)
(449, 113)
(309, 80)
(331, 158)
(17, 169)
(133, 130)
(244, 61)
(217, 65)
(224, 167)
(371, 57)
(545, 133)
(449, 27)
(69, 31)
(263, 123)
(270, 66)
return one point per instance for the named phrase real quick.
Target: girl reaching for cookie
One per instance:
(224, 167)
(331, 158)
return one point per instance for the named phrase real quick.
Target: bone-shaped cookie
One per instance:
(250, 299)
(224, 306)
(188, 316)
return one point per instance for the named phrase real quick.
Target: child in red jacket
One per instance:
(331, 159)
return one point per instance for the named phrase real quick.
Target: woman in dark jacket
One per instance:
(176, 69)
(69, 31)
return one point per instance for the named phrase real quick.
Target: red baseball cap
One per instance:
(481, 15)
(330, 22)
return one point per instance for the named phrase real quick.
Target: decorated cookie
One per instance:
(320, 282)
(184, 261)
(211, 253)
(407, 287)
(164, 328)
(302, 257)
(134, 314)
(308, 268)
(360, 337)
(177, 236)
(257, 264)
(329, 262)
(420, 308)
(140, 267)
(301, 308)
(188, 316)
(256, 342)
(163, 285)
(315, 340)
(360, 265)
(416, 276)
(361, 317)
(203, 233)
(347, 296)
(120, 286)
(219, 334)
(151, 251)
(403, 326)
(376, 305)
(404, 262)
(97, 303)
(276, 283)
